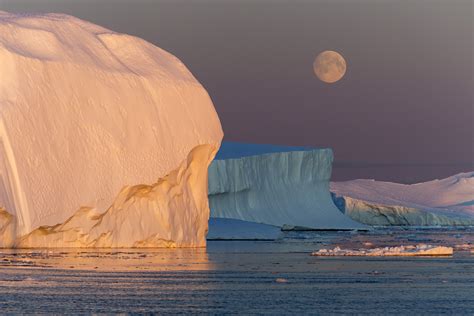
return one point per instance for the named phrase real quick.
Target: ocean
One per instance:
(246, 277)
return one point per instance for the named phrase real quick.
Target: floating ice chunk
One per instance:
(281, 280)
(466, 247)
(403, 251)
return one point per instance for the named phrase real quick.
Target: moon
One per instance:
(329, 66)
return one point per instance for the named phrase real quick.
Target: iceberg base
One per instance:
(172, 212)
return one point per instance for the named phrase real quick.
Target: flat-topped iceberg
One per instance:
(276, 186)
(105, 138)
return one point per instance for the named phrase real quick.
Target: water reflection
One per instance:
(244, 277)
(235, 255)
(109, 259)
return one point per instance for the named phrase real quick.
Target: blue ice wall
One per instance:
(258, 183)
(232, 150)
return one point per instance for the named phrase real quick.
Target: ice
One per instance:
(278, 188)
(397, 215)
(446, 202)
(7, 228)
(234, 229)
(402, 251)
(159, 215)
(91, 123)
(281, 280)
(465, 247)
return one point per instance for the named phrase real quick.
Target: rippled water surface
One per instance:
(246, 277)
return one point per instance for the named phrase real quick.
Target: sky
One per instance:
(403, 111)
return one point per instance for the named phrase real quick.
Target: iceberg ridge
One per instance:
(446, 202)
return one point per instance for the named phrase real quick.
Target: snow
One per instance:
(234, 229)
(278, 188)
(443, 202)
(87, 114)
(401, 251)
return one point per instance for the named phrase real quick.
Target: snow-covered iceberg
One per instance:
(446, 202)
(275, 186)
(105, 139)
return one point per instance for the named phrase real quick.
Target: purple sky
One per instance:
(403, 112)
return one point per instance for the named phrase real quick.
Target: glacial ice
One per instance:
(446, 202)
(105, 138)
(234, 229)
(277, 188)
(400, 251)
(376, 214)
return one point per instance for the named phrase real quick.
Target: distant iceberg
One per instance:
(105, 139)
(446, 202)
(275, 185)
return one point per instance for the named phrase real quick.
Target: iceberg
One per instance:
(105, 139)
(275, 186)
(446, 202)
(234, 229)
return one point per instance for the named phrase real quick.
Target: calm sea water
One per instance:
(246, 277)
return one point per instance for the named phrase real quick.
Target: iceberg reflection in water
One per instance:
(264, 277)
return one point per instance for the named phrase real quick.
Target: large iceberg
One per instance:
(446, 202)
(105, 138)
(276, 186)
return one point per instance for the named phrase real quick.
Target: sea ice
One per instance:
(402, 251)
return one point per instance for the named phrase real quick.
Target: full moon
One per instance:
(329, 66)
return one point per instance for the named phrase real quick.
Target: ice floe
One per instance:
(402, 251)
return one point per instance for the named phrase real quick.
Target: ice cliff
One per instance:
(446, 202)
(105, 139)
(276, 186)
